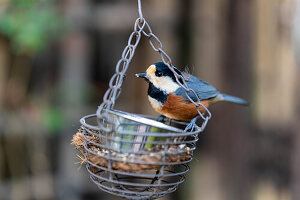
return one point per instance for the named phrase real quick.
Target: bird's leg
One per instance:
(191, 125)
(161, 118)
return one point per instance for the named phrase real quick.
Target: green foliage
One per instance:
(30, 24)
(52, 120)
(152, 138)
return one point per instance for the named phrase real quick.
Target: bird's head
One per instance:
(161, 77)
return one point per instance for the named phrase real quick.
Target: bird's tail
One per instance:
(229, 98)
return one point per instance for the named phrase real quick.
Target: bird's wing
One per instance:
(202, 89)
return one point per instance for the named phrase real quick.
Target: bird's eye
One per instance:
(157, 73)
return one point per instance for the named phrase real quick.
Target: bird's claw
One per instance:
(191, 126)
(161, 118)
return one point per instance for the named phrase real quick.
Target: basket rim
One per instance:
(158, 134)
(136, 118)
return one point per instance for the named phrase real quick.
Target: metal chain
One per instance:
(158, 47)
(122, 65)
(115, 83)
(167, 61)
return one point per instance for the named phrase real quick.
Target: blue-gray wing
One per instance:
(203, 89)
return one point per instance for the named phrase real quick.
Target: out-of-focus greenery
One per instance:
(30, 24)
(52, 119)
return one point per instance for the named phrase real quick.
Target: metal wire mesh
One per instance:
(138, 158)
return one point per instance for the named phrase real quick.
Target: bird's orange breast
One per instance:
(176, 107)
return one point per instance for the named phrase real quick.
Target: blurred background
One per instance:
(56, 58)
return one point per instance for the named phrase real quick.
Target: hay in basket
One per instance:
(135, 145)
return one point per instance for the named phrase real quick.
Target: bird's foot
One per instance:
(191, 126)
(161, 118)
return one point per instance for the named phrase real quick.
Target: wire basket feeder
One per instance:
(135, 156)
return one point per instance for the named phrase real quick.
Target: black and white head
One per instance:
(161, 77)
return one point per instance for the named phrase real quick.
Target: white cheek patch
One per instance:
(164, 83)
(155, 104)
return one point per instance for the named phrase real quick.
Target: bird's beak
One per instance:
(143, 75)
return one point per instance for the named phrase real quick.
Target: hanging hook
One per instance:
(140, 10)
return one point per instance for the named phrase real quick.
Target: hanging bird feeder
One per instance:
(135, 156)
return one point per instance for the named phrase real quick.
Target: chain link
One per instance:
(115, 83)
(141, 26)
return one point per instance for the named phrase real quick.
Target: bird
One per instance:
(169, 99)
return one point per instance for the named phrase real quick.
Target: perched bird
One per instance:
(169, 99)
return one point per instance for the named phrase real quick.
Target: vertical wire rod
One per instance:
(140, 9)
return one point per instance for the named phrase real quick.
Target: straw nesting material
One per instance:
(127, 164)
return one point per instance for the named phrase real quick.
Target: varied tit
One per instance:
(169, 99)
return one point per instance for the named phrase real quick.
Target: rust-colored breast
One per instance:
(177, 108)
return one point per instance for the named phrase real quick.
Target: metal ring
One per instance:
(128, 52)
(164, 55)
(147, 26)
(151, 35)
(137, 36)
